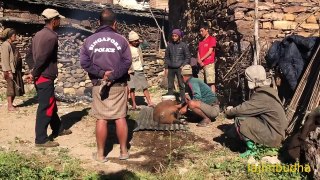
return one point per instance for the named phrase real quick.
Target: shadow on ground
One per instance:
(230, 138)
(68, 120)
(139, 101)
(120, 175)
(112, 134)
(33, 100)
(158, 152)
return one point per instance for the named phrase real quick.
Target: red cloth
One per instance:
(209, 42)
(42, 79)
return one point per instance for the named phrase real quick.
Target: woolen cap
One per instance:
(177, 32)
(257, 76)
(133, 36)
(186, 70)
(51, 13)
(5, 33)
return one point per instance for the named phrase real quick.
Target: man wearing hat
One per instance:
(261, 119)
(45, 71)
(203, 101)
(138, 80)
(177, 55)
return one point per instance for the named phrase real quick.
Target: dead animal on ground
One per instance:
(166, 112)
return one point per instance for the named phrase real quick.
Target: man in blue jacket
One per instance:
(177, 55)
(106, 57)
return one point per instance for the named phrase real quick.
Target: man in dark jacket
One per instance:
(292, 55)
(106, 57)
(45, 70)
(177, 55)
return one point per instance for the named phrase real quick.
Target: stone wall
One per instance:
(231, 22)
(159, 4)
(72, 80)
(278, 18)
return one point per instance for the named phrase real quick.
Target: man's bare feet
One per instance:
(12, 108)
(151, 105)
(101, 159)
(124, 156)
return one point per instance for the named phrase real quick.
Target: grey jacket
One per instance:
(263, 118)
(8, 60)
(177, 55)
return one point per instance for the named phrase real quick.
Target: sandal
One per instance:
(94, 157)
(184, 122)
(124, 156)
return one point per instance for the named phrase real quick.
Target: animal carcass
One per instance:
(166, 112)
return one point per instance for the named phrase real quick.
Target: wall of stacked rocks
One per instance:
(72, 80)
(232, 23)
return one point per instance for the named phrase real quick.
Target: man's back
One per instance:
(108, 51)
(201, 91)
(45, 52)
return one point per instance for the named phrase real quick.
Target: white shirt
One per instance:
(137, 58)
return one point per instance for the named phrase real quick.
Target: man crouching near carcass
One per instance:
(261, 119)
(202, 101)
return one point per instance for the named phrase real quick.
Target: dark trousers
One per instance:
(47, 112)
(171, 75)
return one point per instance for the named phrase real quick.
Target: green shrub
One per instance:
(17, 166)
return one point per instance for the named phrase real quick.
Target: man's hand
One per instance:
(107, 74)
(8, 75)
(200, 62)
(29, 78)
(183, 110)
(228, 108)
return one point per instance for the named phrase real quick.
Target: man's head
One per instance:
(9, 34)
(134, 39)
(256, 76)
(52, 18)
(176, 35)
(108, 18)
(186, 72)
(204, 30)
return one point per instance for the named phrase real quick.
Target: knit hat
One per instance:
(133, 36)
(51, 13)
(256, 76)
(6, 33)
(177, 32)
(186, 70)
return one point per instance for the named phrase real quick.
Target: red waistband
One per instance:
(42, 79)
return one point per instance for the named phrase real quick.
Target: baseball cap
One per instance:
(186, 70)
(51, 13)
(133, 36)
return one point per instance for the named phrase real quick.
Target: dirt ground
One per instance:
(149, 150)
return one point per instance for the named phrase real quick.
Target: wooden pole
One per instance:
(256, 60)
(161, 30)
